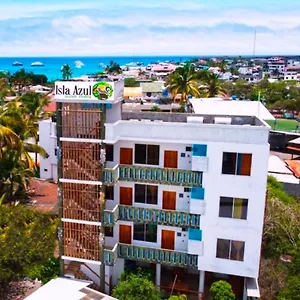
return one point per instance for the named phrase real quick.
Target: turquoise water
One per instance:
(52, 68)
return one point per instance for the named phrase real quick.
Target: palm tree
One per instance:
(184, 81)
(66, 72)
(113, 68)
(213, 85)
(21, 79)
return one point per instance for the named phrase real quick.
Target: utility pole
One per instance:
(254, 44)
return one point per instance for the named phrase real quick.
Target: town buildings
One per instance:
(180, 194)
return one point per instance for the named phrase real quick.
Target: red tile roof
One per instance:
(294, 165)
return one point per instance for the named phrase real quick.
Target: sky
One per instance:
(153, 27)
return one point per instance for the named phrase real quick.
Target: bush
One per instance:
(221, 290)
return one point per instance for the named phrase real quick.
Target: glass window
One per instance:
(146, 154)
(237, 250)
(140, 193)
(146, 194)
(145, 232)
(236, 208)
(223, 248)
(237, 163)
(109, 193)
(226, 205)
(138, 232)
(152, 191)
(109, 231)
(140, 154)
(229, 163)
(109, 152)
(153, 155)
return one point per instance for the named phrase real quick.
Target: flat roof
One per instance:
(218, 106)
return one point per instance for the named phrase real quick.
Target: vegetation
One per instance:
(136, 286)
(131, 82)
(284, 125)
(18, 124)
(27, 244)
(113, 68)
(281, 239)
(221, 290)
(66, 72)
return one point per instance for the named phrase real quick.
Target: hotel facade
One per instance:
(179, 194)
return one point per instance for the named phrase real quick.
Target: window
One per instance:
(145, 232)
(109, 231)
(109, 193)
(145, 194)
(235, 208)
(146, 154)
(109, 149)
(55, 151)
(237, 163)
(233, 250)
(188, 149)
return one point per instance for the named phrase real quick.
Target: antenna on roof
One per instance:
(254, 44)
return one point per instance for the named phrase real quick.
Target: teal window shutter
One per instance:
(195, 234)
(197, 193)
(199, 150)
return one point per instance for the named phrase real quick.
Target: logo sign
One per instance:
(95, 91)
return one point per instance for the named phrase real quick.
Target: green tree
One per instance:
(113, 68)
(27, 241)
(180, 297)
(214, 85)
(184, 81)
(66, 72)
(21, 79)
(131, 82)
(135, 287)
(221, 290)
(292, 291)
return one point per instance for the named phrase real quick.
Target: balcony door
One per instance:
(125, 234)
(169, 200)
(126, 156)
(125, 195)
(171, 159)
(168, 239)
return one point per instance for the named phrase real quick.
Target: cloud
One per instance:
(153, 30)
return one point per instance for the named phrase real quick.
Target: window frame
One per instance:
(146, 193)
(144, 158)
(146, 234)
(230, 249)
(233, 207)
(238, 156)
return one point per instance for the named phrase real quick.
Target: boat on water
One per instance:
(78, 64)
(37, 64)
(17, 64)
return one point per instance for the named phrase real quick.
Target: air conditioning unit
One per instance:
(195, 119)
(219, 120)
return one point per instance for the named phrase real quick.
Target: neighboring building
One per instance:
(290, 75)
(185, 193)
(276, 63)
(152, 90)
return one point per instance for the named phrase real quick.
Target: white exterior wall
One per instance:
(47, 139)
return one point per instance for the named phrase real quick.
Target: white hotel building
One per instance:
(184, 193)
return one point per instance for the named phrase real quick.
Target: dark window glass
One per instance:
(244, 163)
(240, 208)
(152, 191)
(187, 190)
(223, 247)
(55, 151)
(109, 231)
(188, 149)
(182, 155)
(229, 163)
(237, 250)
(140, 193)
(109, 193)
(226, 205)
(109, 152)
(151, 233)
(138, 232)
(153, 155)
(140, 154)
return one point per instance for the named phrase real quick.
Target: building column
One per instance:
(108, 275)
(201, 282)
(157, 277)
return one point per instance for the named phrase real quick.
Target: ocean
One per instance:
(52, 65)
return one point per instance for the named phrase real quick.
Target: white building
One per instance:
(185, 193)
(290, 75)
(276, 63)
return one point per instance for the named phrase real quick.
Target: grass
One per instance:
(284, 125)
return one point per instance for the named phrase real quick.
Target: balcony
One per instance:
(158, 256)
(195, 244)
(197, 203)
(199, 158)
(165, 176)
(158, 216)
